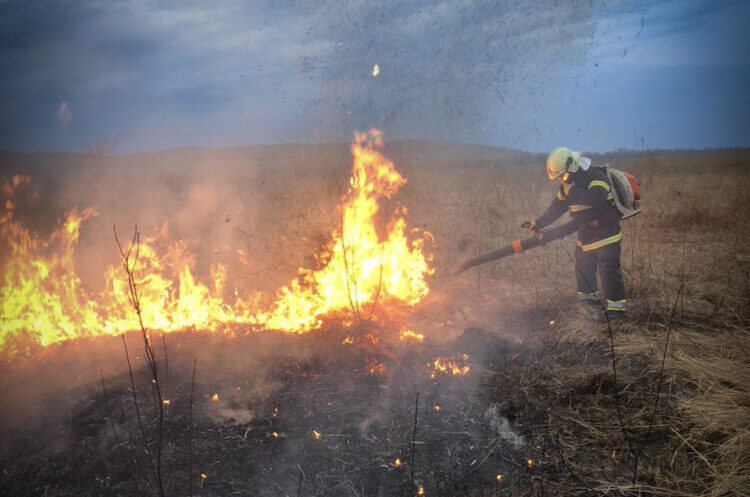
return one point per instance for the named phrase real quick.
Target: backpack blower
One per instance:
(627, 200)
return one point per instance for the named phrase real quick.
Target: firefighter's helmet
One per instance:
(562, 160)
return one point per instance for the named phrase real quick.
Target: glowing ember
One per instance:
(275, 434)
(165, 402)
(420, 491)
(215, 397)
(375, 367)
(436, 407)
(361, 274)
(348, 341)
(397, 463)
(449, 366)
(316, 435)
(529, 463)
(499, 478)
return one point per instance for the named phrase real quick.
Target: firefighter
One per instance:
(587, 194)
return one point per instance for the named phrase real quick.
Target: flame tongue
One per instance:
(361, 269)
(42, 296)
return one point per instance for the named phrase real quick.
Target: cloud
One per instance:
(301, 70)
(63, 112)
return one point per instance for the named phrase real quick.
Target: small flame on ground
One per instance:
(316, 435)
(375, 367)
(165, 402)
(215, 397)
(348, 341)
(397, 463)
(499, 478)
(436, 407)
(529, 462)
(275, 434)
(449, 366)
(411, 336)
(420, 491)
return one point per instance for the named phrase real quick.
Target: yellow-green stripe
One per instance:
(601, 243)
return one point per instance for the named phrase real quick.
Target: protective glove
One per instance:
(565, 188)
(530, 227)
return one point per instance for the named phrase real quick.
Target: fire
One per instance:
(361, 270)
(375, 367)
(446, 366)
(363, 274)
(316, 435)
(215, 397)
(411, 336)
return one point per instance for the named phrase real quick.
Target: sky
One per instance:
(135, 75)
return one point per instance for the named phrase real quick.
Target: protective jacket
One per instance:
(589, 200)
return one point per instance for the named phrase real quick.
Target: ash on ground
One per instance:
(329, 413)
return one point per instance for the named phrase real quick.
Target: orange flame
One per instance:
(361, 275)
(361, 269)
(449, 366)
(411, 336)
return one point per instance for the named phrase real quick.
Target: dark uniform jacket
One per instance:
(589, 200)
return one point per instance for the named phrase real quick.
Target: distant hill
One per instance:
(407, 155)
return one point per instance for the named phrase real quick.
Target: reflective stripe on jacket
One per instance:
(589, 200)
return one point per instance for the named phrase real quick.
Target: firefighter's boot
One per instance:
(617, 306)
(588, 298)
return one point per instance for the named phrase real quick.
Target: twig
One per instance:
(190, 430)
(380, 284)
(299, 485)
(354, 306)
(117, 438)
(614, 360)
(414, 436)
(150, 356)
(658, 388)
(138, 416)
(166, 362)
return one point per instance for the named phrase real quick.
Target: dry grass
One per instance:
(693, 233)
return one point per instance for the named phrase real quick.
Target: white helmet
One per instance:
(562, 160)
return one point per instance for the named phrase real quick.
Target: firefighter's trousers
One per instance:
(607, 261)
